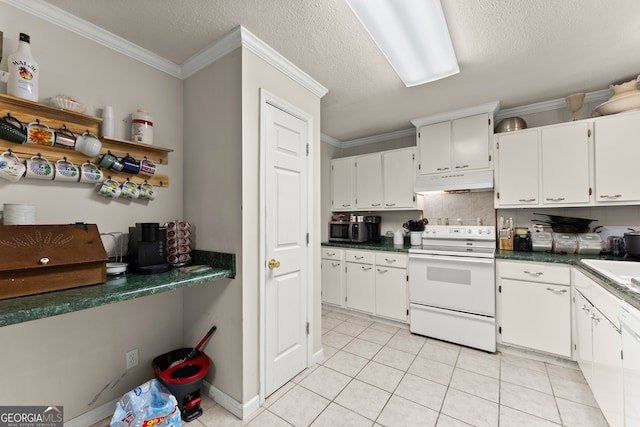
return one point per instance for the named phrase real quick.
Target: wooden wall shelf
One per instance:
(28, 111)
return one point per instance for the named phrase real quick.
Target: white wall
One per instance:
(68, 360)
(213, 201)
(222, 195)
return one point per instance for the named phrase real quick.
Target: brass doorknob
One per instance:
(273, 264)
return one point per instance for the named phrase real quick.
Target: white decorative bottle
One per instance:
(108, 126)
(142, 127)
(23, 71)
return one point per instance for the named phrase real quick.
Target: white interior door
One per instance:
(286, 246)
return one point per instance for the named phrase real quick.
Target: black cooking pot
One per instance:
(568, 220)
(566, 228)
(632, 243)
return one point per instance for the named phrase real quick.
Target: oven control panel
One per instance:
(473, 232)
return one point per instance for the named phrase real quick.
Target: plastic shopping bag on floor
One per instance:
(151, 404)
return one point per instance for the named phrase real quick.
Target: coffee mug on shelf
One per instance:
(129, 190)
(147, 167)
(110, 188)
(147, 192)
(39, 167)
(90, 173)
(12, 129)
(65, 170)
(109, 161)
(39, 133)
(130, 165)
(64, 138)
(88, 144)
(11, 167)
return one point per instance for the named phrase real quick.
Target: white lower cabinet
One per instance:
(535, 306)
(376, 283)
(360, 281)
(599, 346)
(333, 276)
(391, 286)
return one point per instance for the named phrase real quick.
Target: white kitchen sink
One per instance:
(620, 272)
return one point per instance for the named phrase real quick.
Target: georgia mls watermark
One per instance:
(31, 416)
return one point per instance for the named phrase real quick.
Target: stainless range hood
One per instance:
(455, 181)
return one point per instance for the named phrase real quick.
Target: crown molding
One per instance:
(63, 19)
(237, 37)
(330, 140)
(271, 56)
(228, 43)
(389, 136)
(553, 104)
(489, 107)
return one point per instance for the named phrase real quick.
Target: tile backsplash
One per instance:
(465, 208)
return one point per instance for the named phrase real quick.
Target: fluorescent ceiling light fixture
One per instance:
(412, 35)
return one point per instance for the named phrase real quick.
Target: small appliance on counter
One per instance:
(148, 248)
(354, 230)
(542, 241)
(522, 240)
(373, 228)
(589, 243)
(564, 243)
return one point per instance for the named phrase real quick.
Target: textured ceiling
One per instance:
(514, 51)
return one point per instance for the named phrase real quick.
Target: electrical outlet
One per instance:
(131, 358)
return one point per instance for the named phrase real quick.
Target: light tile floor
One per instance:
(375, 374)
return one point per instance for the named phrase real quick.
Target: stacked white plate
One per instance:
(14, 214)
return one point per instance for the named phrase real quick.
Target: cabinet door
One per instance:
(536, 316)
(470, 143)
(369, 181)
(360, 287)
(518, 169)
(565, 164)
(584, 347)
(399, 176)
(434, 146)
(391, 293)
(332, 281)
(617, 150)
(343, 184)
(607, 382)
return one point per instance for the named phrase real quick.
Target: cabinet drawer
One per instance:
(390, 259)
(535, 272)
(332, 253)
(607, 304)
(363, 257)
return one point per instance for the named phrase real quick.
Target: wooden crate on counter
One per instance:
(44, 258)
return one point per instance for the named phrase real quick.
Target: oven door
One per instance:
(460, 283)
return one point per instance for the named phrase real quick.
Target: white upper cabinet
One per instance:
(617, 150)
(549, 166)
(434, 146)
(565, 163)
(374, 182)
(456, 145)
(517, 169)
(398, 178)
(343, 184)
(369, 182)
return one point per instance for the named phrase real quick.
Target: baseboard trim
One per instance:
(94, 415)
(240, 410)
(318, 357)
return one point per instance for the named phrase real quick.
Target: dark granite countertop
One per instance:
(388, 247)
(116, 289)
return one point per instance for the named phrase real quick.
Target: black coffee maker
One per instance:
(373, 228)
(148, 248)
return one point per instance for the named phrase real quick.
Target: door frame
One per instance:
(268, 98)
